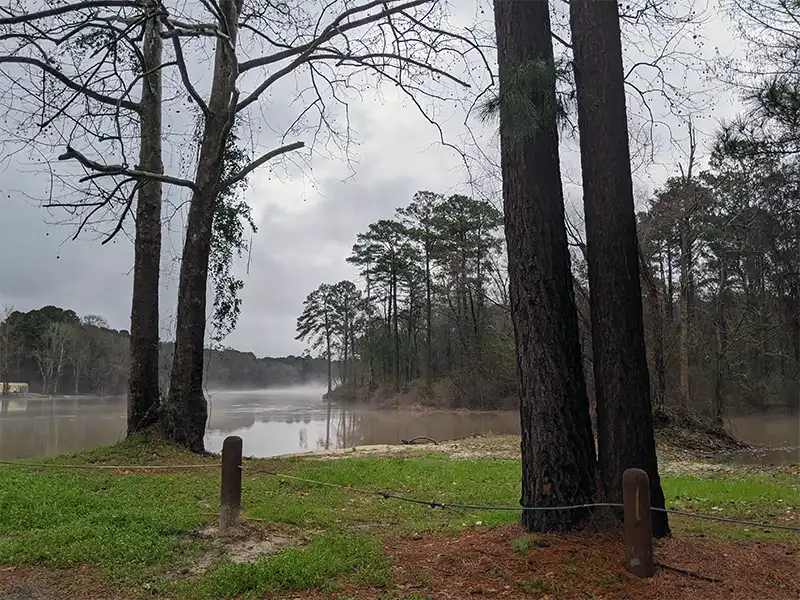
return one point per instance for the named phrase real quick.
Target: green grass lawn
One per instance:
(137, 527)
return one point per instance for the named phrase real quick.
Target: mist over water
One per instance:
(296, 419)
(270, 421)
(312, 391)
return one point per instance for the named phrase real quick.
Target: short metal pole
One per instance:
(231, 494)
(638, 523)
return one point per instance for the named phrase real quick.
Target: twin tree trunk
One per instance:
(557, 445)
(143, 392)
(622, 383)
(186, 412)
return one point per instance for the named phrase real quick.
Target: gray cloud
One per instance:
(307, 226)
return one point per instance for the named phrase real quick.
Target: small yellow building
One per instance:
(15, 388)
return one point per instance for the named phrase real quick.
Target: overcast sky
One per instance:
(306, 227)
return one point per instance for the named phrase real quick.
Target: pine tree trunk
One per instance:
(429, 321)
(684, 392)
(396, 332)
(143, 384)
(4, 376)
(186, 412)
(328, 355)
(657, 318)
(557, 444)
(721, 340)
(670, 305)
(796, 319)
(346, 353)
(622, 383)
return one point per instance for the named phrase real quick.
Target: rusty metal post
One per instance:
(638, 523)
(231, 495)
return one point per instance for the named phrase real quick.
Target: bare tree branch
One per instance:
(114, 170)
(68, 8)
(83, 89)
(260, 161)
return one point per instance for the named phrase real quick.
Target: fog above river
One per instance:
(270, 422)
(297, 419)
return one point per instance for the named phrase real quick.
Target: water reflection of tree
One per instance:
(347, 426)
(42, 429)
(326, 443)
(304, 438)
(348, 429)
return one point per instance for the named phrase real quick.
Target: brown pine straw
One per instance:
(483, 563)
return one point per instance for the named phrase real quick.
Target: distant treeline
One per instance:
(430, 319)
(57, 352)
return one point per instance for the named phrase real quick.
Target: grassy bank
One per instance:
(148, 532)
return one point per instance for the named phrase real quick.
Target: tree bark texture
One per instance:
(558, 452)
(622, 383)
(186, 411)
(143, 389)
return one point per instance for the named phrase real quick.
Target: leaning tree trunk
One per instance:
(622, 383)
(186, 412)
(557, 445)
(143, 389)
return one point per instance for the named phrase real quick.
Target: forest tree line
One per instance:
(720, 251)
(57, 352)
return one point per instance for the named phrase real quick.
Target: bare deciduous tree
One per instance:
(51, 355)
(332, 51)
(89, 57)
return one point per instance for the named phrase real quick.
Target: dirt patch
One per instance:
(39, 583)
(494, 564)
(484, 446)
(246, 542)
(680, 452)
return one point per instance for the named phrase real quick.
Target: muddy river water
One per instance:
(273, 422)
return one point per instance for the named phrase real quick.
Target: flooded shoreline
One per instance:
(278, 422)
